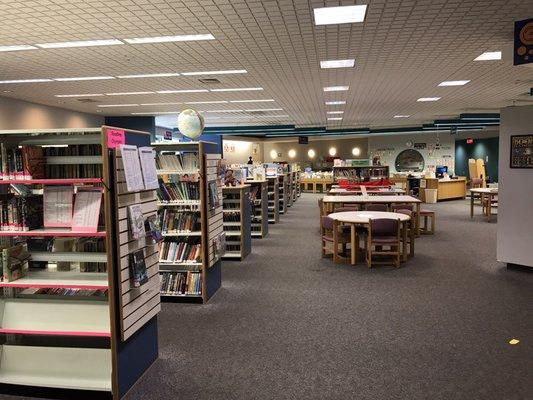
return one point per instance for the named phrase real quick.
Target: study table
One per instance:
(329, 203)
(354, 218)
(488, 193)
(372, 191)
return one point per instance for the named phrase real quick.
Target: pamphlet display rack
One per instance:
(237, 221)
(72, 325)
(273, 199)
(259, 204)
(190, 264)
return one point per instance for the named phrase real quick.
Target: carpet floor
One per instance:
(287, 324)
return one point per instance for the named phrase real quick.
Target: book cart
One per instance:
(283, 184)
(190, 211)
(237, 221)
(273, 199)
(72, 325)
(259, 204)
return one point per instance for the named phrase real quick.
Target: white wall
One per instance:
(515, 197)
(388, 147)
(17, 114)
(237, 151)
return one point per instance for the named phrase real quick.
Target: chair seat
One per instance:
(406, 212)
(384, 240)
(427, 212)
(342, 238)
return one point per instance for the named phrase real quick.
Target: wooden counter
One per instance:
(313, 184)
(447, 189)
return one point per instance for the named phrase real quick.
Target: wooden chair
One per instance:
(425, 229)
(377, 207)
(474, 184)
(383, 239)
(332, 237)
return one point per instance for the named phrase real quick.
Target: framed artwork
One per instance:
(521, 151)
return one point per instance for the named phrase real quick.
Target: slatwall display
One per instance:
(214, 216)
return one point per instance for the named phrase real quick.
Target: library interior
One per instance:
(266, 199)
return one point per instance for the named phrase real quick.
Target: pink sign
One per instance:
(115, 137)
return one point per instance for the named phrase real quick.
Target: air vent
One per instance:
(87, 100)
(210, 81)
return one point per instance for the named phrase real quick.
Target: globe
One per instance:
(191, 123)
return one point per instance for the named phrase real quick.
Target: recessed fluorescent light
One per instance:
(339, 15)
(166, 39)
(337, 63)
(334, 112)
(27, 81)
(155, 113)
(80, 95)
(207, 102)
(223, 111)
(84, 78)
(127, 93)
(401, 116)
(264, 109)
(160, 104)
(160, 75)
(428, 99)
(183, 91)
(453, 83)
(224, 72)
(336, 88)
(335, 119)
(334, 103)
(237, 89)
(252, 101)
(489, 55)
(79, 43)
(118, 105)
(18, 47)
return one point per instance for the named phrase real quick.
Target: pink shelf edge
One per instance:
(49, 181)
(57, 286)
(54, 333)
(36, 233)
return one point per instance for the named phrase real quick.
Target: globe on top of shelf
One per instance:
(191, 123)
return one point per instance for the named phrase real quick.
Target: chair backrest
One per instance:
(344, 209)
(327, 223)
(376, 207)
(395, 207)
(477, 182)
(384, 227)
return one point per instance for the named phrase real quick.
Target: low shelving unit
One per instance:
(283, 183)
(259, 205)
(273, 199)
(237, 221)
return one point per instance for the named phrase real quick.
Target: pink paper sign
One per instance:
(115, 137)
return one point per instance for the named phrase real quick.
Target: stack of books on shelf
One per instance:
(177, 163)
(67, 292)
(181, 283)
(232, 216)
(176, 191)
(72, 170)
(172, 221)
(21, 213)
(180, 251)
(24, 163)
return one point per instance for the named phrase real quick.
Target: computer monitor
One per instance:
(440, 171)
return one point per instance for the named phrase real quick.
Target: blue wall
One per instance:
(481, 148)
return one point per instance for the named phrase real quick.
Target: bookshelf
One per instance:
(289, 197)
(71, 303)
(259, 205)
(283, 192)
(237, 221)
(358, 173)
(273, 199)
(189, 269)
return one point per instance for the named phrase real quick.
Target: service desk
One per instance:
(447, 189)
(315, 184)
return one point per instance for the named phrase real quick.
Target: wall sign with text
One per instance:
(521, 151)
(523, 42)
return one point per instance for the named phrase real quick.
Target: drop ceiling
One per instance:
(403, 50)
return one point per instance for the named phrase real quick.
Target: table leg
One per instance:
(354, 244)
(335, 241)
(471, 205)
(412, 241)
(417, 220)
(404, 238)
(489, 207)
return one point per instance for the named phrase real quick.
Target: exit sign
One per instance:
(469, 141)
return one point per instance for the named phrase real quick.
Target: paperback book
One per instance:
(139, 275)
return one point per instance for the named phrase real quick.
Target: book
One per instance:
(153, 229)
(214, 199)
(57, 206)
(87, 209)
(139, 275)
(14, 262)
(136, 221)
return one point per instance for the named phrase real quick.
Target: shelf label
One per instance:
(115, 137)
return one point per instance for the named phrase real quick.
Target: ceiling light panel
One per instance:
(224, 72)
(335, 112)
(335, 103)
(207, 102)
(428, 99)
(335, 119)
(80, 43)
(27, 81)
(158, 75)
(401, 116)
(160, 104)
(348, 63)
(20, 47)
(339, 15)
(248, 89)
(84, 78)
(454, 83)
(252, 101)
(167, 39)
(127, 93)
(336, 88)
(223, 111)
(489, 56)
(80, 95)
(183, 91)
(264, 109)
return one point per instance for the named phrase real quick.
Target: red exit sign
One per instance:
(469, 141)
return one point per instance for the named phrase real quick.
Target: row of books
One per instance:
(184, 283)
(73, 171)
(232, 217)
(13, 262)
(173, 221)
(21, 213)
(178, 191)
(74, 150)
(180, 251)
(170, 161)
(65, 292)
(21, 163)
(233, 247)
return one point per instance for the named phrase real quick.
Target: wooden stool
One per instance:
(425, 229)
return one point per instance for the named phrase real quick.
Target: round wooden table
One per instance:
(363, 218)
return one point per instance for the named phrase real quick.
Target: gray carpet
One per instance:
(289, 325)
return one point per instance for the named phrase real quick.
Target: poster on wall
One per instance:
(521, 151)
(523, 42)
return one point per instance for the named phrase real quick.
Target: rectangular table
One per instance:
(329, 202)
(490, 193)
(388, 191)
